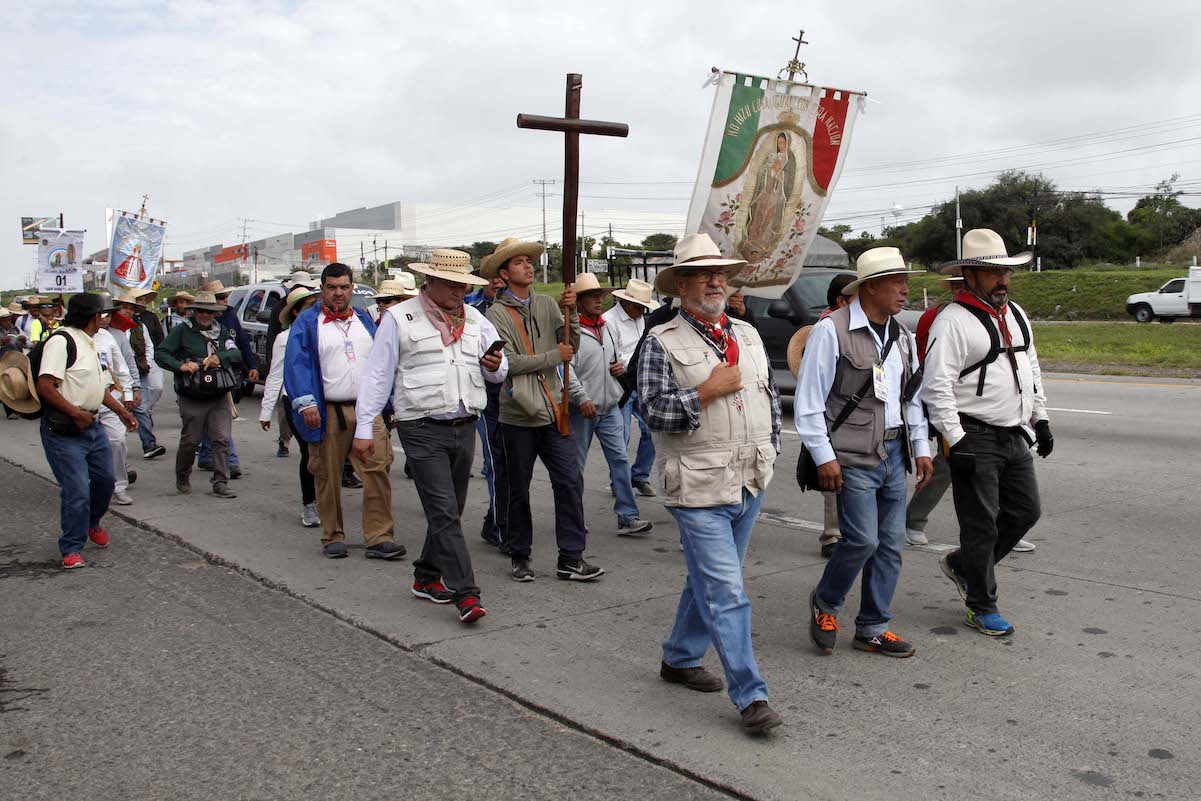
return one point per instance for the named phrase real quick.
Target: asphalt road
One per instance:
(1096, 696)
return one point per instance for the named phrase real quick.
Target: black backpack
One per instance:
(994, 348)
(35, 363)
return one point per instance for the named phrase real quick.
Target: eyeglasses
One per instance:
(705, 276)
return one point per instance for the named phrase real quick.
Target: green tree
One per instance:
(837, 233)
(1163, 218)
(659, 242)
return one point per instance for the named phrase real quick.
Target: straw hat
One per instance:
(303, 278)
(639, 292)
(510, 248)
(16, 309)
(587, 282)
(404, 285)
(796, 349)
(695, 252)
(207, 301)
(450, 265)
(951, 281)
(5, 313)
(37, 300)
(183, 295)
(137, 297)
(983, 249)
(18, 389)
(878, 263)
(216, 287)
(297, 296)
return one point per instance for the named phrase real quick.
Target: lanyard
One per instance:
(893, 333)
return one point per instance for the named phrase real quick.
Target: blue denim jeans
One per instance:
(205, 452)
(644, 460)
(83, 467)
(142, 413)
(871, 514)
(609, 429)
(713, 607)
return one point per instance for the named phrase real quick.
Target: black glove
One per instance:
(1042, 435)
(961, 460)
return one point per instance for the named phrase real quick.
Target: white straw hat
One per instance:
(450, 265)
(984, 248)
(638, 291)
(404, 285)
(694, 252)
(878, 263)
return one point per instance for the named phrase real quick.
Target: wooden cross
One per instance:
(571, 125)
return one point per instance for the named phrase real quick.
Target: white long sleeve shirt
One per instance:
(379, 377)
(274, 385)
(957, 341)
(816, 377)
(111, 359)
(343, 347)
(625, 329)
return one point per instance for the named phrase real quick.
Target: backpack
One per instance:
(994, 348)
(35, 363)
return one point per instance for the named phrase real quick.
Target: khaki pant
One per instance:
(325, 463)
(200, 418)
(830, 531)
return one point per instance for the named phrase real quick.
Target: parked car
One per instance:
(1180, 297)
(801, 305)
(254, 303)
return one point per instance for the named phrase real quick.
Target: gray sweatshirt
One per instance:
(590, 379)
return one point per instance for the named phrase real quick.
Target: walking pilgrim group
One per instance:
(481, 356)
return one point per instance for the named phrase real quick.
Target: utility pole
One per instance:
(379, 278)
(245, 222)
(583, 246)
(958, 228)
(542, 194)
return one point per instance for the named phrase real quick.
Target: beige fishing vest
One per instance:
(432, 378)
(732, 447)
(859, 441)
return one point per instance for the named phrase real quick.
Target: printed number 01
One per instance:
(60, 280)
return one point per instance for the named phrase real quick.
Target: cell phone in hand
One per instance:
(495, 347)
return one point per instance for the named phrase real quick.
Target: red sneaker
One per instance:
(433, 591)
(72, 561)
(99, 536)
(470, 609)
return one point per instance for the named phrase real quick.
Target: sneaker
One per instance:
(222, 490)
(887, 643)
(694, 678)
(1023, 546)
(823, 627)
(388, 549)
(577, 570)
(235, 471)
(408, 469)
(759, 718)
(72, 561)
(205, 466)
(991, 624)
(915, 537)
(122, 499)
(470, 609)
(950, 573)
(309, 517)
(131, 476)
(281, 452)
(521, 569)
(828, 550)
(154, 453)
(183, 486)
(99, 537)
(335, 550)
(644, 488)
(434, 591)
(635, 525)
(351, 481)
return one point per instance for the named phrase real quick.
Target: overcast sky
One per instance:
(287, 111)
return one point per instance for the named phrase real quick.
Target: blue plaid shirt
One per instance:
(668, 409)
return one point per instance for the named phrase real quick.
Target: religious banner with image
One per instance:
(773, 152)
(60, 261)
(134, 251)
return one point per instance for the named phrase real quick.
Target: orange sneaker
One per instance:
(98, 536)
(72, 561)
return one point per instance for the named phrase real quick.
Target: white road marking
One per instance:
(1076, 411)
(772, 517)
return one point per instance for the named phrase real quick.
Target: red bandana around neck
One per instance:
(1000, 315)
(597, 324)
(331, 316)
(121, 322)
(726, 342)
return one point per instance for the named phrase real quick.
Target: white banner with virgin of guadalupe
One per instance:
(134, 251)
(773, 153)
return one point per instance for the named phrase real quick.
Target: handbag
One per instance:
(207, 383)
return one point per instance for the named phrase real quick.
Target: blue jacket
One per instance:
(229, 319)
(302, 369)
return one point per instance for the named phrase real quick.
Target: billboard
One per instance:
(32, 226)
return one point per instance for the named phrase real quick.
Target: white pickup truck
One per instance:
(1180, 297)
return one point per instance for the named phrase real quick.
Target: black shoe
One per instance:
(131, 476)
(823, 627)
(828, 550)
(222, 490)
(408, 470)
(351, 481)
(335, 550)
(183, 486)
(154, 453)
(887, 643)
(644, 488)
(759, 718)
(387, 549)
(521, 569)
(235, 471)
(281, 452)
(694, 678)
(577, 570)
(205, 466)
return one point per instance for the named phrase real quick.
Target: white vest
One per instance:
(431, 378)
(731, 449)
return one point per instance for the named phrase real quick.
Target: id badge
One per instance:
(879, 383)
(348, 349)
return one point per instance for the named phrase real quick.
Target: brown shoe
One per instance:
(759, 717)
(694, 678)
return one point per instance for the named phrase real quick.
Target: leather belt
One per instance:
(893, 433)
(458, 421)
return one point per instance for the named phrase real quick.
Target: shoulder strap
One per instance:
(529, 346)
(857, 398)
(1023, 326)
(994, 346)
